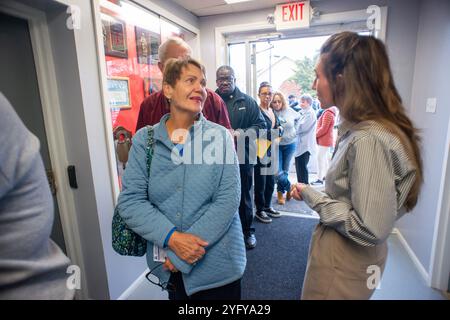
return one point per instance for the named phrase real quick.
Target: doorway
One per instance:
(19, 84)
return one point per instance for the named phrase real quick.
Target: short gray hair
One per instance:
(162, 50)
(307, 97)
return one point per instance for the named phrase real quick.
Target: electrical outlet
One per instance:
(431, 105)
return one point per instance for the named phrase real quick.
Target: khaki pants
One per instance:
(338, 267)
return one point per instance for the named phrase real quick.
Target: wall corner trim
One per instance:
(129, 291)
(422, 270)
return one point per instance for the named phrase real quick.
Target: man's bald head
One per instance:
(173, 47)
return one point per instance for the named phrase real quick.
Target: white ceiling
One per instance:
(202, 8)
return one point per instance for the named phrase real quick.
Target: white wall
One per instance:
(207, 37)
(168, 8)
(432, 67)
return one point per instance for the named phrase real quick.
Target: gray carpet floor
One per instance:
(276, 267)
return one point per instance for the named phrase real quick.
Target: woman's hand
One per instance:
(296, 191)
(169, 266)
(187, 246)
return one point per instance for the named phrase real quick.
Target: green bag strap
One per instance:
(150, 143)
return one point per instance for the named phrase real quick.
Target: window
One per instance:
(237, 62)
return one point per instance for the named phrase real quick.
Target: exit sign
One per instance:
(293, 15)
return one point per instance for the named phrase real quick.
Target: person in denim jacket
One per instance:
(188, 203)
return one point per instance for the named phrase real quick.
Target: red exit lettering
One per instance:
(292, 12)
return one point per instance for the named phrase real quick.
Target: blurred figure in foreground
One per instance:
(32, 266)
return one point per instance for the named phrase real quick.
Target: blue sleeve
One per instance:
(133, 204)
(166, 241)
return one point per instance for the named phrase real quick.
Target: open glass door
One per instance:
(285, 60)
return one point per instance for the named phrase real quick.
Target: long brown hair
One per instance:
(282, 98)
(358, 70)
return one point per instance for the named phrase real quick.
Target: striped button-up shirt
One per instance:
(366, 186)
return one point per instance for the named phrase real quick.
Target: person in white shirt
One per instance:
(306, 138)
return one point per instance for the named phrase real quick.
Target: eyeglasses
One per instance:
(152, 278)
(225, 79)
(266, 94)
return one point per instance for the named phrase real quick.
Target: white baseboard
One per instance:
(423, 272)
(127, 293)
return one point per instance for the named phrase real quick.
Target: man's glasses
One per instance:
(152, 278)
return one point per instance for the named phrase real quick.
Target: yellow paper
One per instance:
(261, 147)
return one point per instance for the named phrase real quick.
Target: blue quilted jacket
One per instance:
(191, 195)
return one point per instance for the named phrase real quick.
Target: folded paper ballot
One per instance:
(262, 146)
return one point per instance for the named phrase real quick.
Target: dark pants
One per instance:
(230, 291)
(264, 186)
(246, 205)
(301, 167)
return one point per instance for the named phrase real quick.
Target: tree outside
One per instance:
(304, 74)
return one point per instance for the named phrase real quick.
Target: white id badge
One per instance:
(159, 254)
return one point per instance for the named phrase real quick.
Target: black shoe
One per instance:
(250, 241)
(271, 212)
(317, 182)
(263, 217)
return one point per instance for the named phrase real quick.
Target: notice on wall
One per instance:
(293, 15)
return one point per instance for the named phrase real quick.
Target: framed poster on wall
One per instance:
(147, 44)
(114, 37)
(119, 93)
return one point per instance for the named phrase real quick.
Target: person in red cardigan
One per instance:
(325, 140)
(155, 105)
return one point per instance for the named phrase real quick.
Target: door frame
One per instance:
(263, 29)
(48, 90)
(439, 271)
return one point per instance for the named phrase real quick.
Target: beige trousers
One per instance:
(338, 268)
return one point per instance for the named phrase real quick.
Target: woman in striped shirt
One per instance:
(375, 174)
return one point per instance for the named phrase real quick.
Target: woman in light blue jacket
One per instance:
(188, 204)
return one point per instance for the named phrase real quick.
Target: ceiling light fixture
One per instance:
(236, 1)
